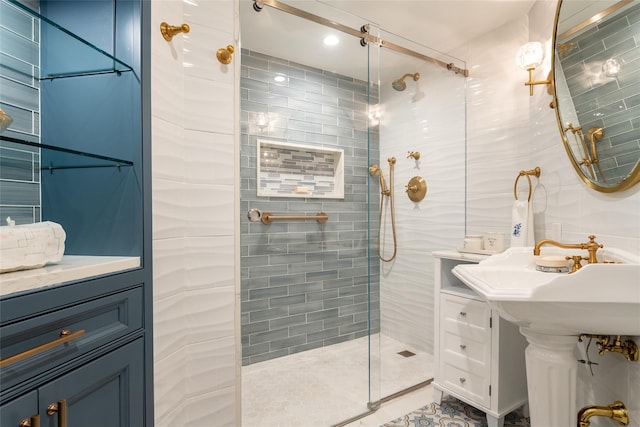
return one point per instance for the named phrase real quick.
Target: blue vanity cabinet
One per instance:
(77, 333)
(106, 392)
(20, 410)
(99, 374)
(72, 333)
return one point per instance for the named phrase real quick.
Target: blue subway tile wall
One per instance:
(611, 103)
(305, 285)
(20, 99)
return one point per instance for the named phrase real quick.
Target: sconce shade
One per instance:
(530, 55)
(611, 67)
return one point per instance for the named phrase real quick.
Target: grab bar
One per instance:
(268, 217)
(255, 215)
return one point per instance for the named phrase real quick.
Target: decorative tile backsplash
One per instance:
(20, 99)
(292, 170)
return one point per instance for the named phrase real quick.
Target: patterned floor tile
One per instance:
(453, 413)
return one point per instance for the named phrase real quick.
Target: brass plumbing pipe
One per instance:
(616, 411)
(591, 246)
(628, 348)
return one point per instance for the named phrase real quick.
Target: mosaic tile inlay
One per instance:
(287, 170)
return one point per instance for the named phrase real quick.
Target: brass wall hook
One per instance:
(224, 55)
(414, 154)
(168, 31)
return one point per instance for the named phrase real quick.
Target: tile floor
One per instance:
(452, 413)
(322, 387)
(396, 408)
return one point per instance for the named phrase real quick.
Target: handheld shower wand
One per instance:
(374, 170)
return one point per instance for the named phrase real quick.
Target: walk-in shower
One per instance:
(329, 330)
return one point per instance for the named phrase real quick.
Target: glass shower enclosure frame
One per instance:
(310, 286)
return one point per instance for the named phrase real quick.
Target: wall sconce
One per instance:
(375, 114)
(611, 67)
(528, 58)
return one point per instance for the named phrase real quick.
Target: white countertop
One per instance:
(71, 267)
(454, 254)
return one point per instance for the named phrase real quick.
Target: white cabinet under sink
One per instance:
(479, 357)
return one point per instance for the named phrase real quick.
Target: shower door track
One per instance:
(368, 38)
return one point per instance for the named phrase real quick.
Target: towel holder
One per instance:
(535, 172)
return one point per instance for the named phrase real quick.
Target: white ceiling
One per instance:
(428, 26)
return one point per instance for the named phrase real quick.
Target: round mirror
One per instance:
(596, 69)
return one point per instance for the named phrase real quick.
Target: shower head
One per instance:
(400, 84)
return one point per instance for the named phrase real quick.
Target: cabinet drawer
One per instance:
(464, 316)
(466, 347)
(466, 383)
(102, 320)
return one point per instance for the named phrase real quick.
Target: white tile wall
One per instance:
(428, 117)
(194, 210)
(506, 131)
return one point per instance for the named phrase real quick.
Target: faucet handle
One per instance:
(577, 262)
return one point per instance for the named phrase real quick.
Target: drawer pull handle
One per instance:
(61, 409)
(462, 380)
(65, 336)
(34, 421)
(463, 347)
(463, 313)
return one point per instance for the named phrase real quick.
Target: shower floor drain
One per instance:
(406, 353)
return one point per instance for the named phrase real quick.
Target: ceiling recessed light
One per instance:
(279, 78)
(331, 40)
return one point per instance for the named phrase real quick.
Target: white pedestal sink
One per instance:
(552, 310)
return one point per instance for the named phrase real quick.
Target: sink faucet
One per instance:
(615, 411)
(591, 246)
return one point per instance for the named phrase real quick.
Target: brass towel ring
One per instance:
(168, 31)
(535, 171)
(224, 55)
(515, 187)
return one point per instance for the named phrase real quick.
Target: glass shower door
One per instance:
(419, 120)
(306, 284)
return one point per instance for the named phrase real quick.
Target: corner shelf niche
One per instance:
(79, 143)
(73, 57)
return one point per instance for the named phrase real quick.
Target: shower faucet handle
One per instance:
(414, 154)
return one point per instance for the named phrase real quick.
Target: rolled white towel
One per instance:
(522, 224)
(30, 245)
